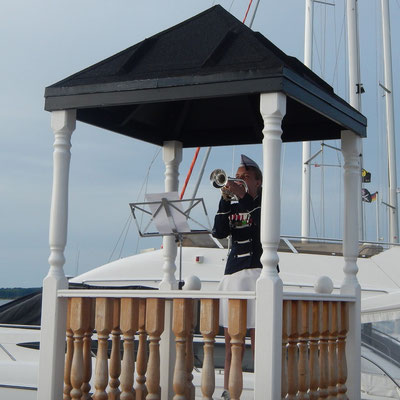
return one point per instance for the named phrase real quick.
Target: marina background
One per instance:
(44, 42)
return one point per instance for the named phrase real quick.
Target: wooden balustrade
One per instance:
(323, 352)
(68, 355)
(141, 360)
(190, 389)
(313, 347)
(87, 354)
(342, 363)
(115, 357)
(209, 318)
(128, 325)
(237, 314)
(314, 352)
(103, 324)
(285, 333)
(80, 311)
(304, 332)
(154, 328)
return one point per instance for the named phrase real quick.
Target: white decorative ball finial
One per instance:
(324, 285)
(192, 282)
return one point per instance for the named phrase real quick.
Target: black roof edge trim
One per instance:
(210, 90)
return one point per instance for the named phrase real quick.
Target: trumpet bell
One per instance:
(218, 178)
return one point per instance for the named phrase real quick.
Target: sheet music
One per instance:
(166, 224)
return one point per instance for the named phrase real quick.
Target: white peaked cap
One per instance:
(247, 162)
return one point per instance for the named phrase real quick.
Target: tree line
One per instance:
(13, 293)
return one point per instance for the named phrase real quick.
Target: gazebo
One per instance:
(208, 81)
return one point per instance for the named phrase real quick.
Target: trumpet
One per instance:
(219, 179)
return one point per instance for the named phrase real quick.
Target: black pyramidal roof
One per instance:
(199, 82)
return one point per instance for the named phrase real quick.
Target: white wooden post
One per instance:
(351, 145)
(172, 156)
(268, 354)
(54, 310)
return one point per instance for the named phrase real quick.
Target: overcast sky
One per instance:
(45, 41)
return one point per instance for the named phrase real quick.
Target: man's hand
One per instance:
(236, 188)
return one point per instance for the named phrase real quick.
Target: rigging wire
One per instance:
(314, 220)
(126, 234)
(128, 222)
(346, 78)
(146, 178)
(323, 28)
(316, 49)
(336, 42)
(338, 47)
(144, 185)
(120, 236)
(231, 5)
(190, 172)
(322, 193)
(247, 11)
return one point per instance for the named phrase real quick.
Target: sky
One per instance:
(44, 42)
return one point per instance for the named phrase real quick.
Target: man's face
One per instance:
(249, 177)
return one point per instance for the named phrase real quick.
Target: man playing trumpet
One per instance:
(241, 220)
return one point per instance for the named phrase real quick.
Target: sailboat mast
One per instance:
(306, 176)
(354, 80)
(391, 145)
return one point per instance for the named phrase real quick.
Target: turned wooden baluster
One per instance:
(87, 353)
(154, 327)
(115, 357)
(128, 325)
(342, 362)
(292, 351)
(141, 358)
(323, 352)
(104, 322)
(68, 355)
(209, 326)
(332, 346)
(237, 318)
(304, 332)
(285, 326)
(80, 309)
(181, 325)
(314, 337)
(190, 389)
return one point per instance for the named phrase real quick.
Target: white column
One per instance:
(306, 171)
(172, 156)
(351, 144)
(269, 285)
(391, 142)
(52, 336)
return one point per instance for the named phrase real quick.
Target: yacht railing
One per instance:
(388, 349)
(314, 332)
(382, 369)
(335, 240)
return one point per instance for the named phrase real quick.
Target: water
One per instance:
(4, 301)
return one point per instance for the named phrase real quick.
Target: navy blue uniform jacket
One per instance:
(242, 221)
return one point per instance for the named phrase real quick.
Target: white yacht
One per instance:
(251, 92)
